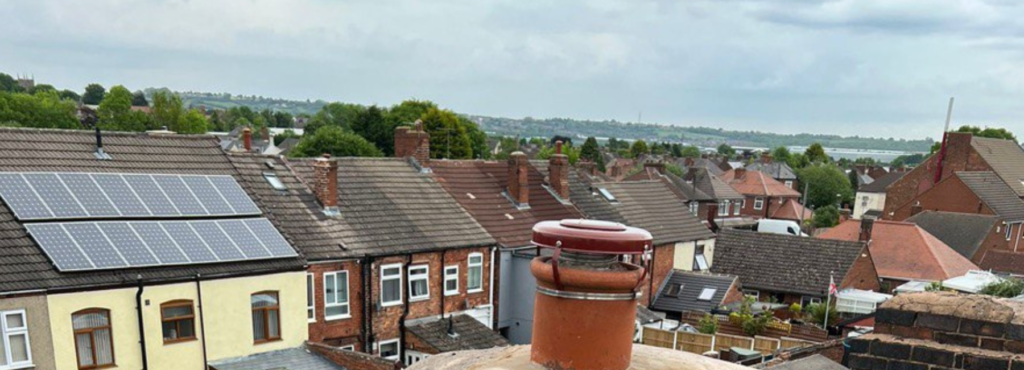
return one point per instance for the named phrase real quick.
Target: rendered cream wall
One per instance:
(684, 254)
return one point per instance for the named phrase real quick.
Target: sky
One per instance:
(877, 68)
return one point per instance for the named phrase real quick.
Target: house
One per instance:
(763, 194)
(971, 235)
(507, 198)
(792, 210)
(871, 196)
(453, 333)
(703, 187)
(713, 166)
(793, 269)
(688, 291)
(137, 251)
(963, 152)
(780, 171)
(902, 251)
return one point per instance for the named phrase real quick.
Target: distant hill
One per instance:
(224, 101)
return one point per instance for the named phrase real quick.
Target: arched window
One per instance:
(179, 321)
(93, 340)
(266, 317)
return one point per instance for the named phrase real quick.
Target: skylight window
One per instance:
(706, 294)
(274, 181)
(607, 195)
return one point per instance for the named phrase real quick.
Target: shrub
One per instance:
(1007, 288)
(708, 324)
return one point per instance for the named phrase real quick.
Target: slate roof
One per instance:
(792, 210)
(777, 170)
(284, 359)
(707, 164)
(1005, 158)
(686, 191)
(880, 184)
(757, 183)
(471, 334)
(902, 250)
(387, 206)
(964, 232)
(814, 362)
(783, 263)
(994, 192)
(24, 266)
(479, 187)
(708, 183)
(693, 284)
(648, 205)
(1008, 262)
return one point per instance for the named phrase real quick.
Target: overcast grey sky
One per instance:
(853, 67)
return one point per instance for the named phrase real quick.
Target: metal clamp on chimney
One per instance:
(586, 298)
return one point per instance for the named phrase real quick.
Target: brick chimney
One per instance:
(712, 212)
(588, 166)
(413, 142)
(915, 209)
(688, 162)
(247, 139)
(585, 304)
(558, 166)
(739, 173)
(866, 225)
(325, 183)
(659, 166)
(264, 132)
(518, 179)
(766, 157)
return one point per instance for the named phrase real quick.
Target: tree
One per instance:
(44, 110)
(139, 99)
(827, 216)
(818, 311)
(42, 88)
(708, 324)
(371, 125)
(827, 185)
(70, 95)
(477, 138)
(816, 154)
(590, 151)
(989, 132)
(690, 151)
(334, 140)
(336, 114)
(638, 149)
(115, 112)
(448, 138)
(167, 111)
(286, 134)
(193, 122)
(94, 94)
(407, 112)
(781, 154)
(726, 150)
(854, 179)
(9, 84)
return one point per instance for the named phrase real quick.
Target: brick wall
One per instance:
(931, 331)
(351, 360)
(338, 332)
(766, 208)
(413, 142)
(862, 275)
(664, 258)
(960, 156)
(950, 195)
(996, 239)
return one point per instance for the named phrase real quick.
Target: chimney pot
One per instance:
(325, 183)
(518, 179)
(866, 225)
(247, 139)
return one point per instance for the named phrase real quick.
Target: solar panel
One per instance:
(97, 245)
(45, 195)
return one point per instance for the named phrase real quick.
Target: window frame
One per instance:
(713, 290)
(700, 262)
(469, 267)
(807, 301)
(448, 277)
(401, 281)
(348, 296)
(350, 347)
(266, 317)
(398, 348)
(789, 184)
(1009, 231)
(311, 297)
(694, 207)
(425, 278)
(173, 304)
(758, 203)
(752, 293)
(723, 208)
(92, 339)
(5, 337)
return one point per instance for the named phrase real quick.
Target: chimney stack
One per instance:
(712, 212)
(247, 139)
(766, 157)
(915, 209)
(558, 166)
(264, 132)
(739, 173)
(866, 225)
(518, 179)
(588, 166)
(585, 305)
(688, 162)
(658, 166)
(325, 183)
(413, 142)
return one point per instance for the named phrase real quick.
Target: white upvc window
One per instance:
(391, 284)
(451, 280)
(789, 184)
(1009, 231)
(389, 349)
(475, 273)
(15, 351)
(336, 295)
(807, 301)
(350, 347)
(758, 203)
(736, 207)
(723, 208)
(310, 298)
(694, 206)
(756, 294)
(419, 286)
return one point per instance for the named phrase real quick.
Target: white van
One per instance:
(784, 227)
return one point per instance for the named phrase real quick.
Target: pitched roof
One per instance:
(757, 183)
(709, 165)
(902, 250)
(880, 184)
(693, 284)
(783, 263)
(964, 232)
(648, 205)
(814, 362)
(387, 206)
(1008, 262)
(687, 191)
(283, 359)
(994, 192)
(471, 334)
(777, 170)
(710, 184)
(792, 210)
(479, 186)
(24, 266)
(1005, 158)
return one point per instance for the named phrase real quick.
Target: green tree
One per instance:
(708, 324)
(817, 312)
(690, 151)
(638, 149)
(115, 112)
(827, 185)
(854, 179)
(781, 154)
(1006, 288)
(167, 111)
(816, 154)
(334, 140)
(333, 114)
(9, 84)
(827, 216)
(408, 111)
(989, 132)
(193, 122)
(372, 126)
(43, 110)
(94, 94)
(139, 99)
(448, 139)
(477, 138)
(42, 88)
(726, 150)
(70, 95)
(590, 151)
(286, 134)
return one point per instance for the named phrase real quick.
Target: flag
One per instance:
(832, 290)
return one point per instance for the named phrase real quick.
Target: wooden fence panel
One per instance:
(694, 342)
(658, 338)
(766, 345)
(724, 342)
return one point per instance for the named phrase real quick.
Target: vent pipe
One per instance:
(100, 153)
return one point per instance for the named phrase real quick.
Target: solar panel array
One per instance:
(49, 195)
(97, 245)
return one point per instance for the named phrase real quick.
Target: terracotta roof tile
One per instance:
(792, 210)
(757, 183)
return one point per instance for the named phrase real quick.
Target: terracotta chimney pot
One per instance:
(247, 139)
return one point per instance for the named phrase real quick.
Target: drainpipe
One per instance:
(367, 304)
(405, 309)
(490, 288)
(444, 283)
(202, 319)
(142, 329)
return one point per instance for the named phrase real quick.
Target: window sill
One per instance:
(311, 321)
(180, 340)
(418, 299)
(471, 291)
(265, 341)
(17, 367)
(390, 304)
(449, 294)
(339, 317)
(107, 366)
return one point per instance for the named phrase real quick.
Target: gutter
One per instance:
(142, 329)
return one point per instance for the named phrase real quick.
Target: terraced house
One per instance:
(138, 251)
